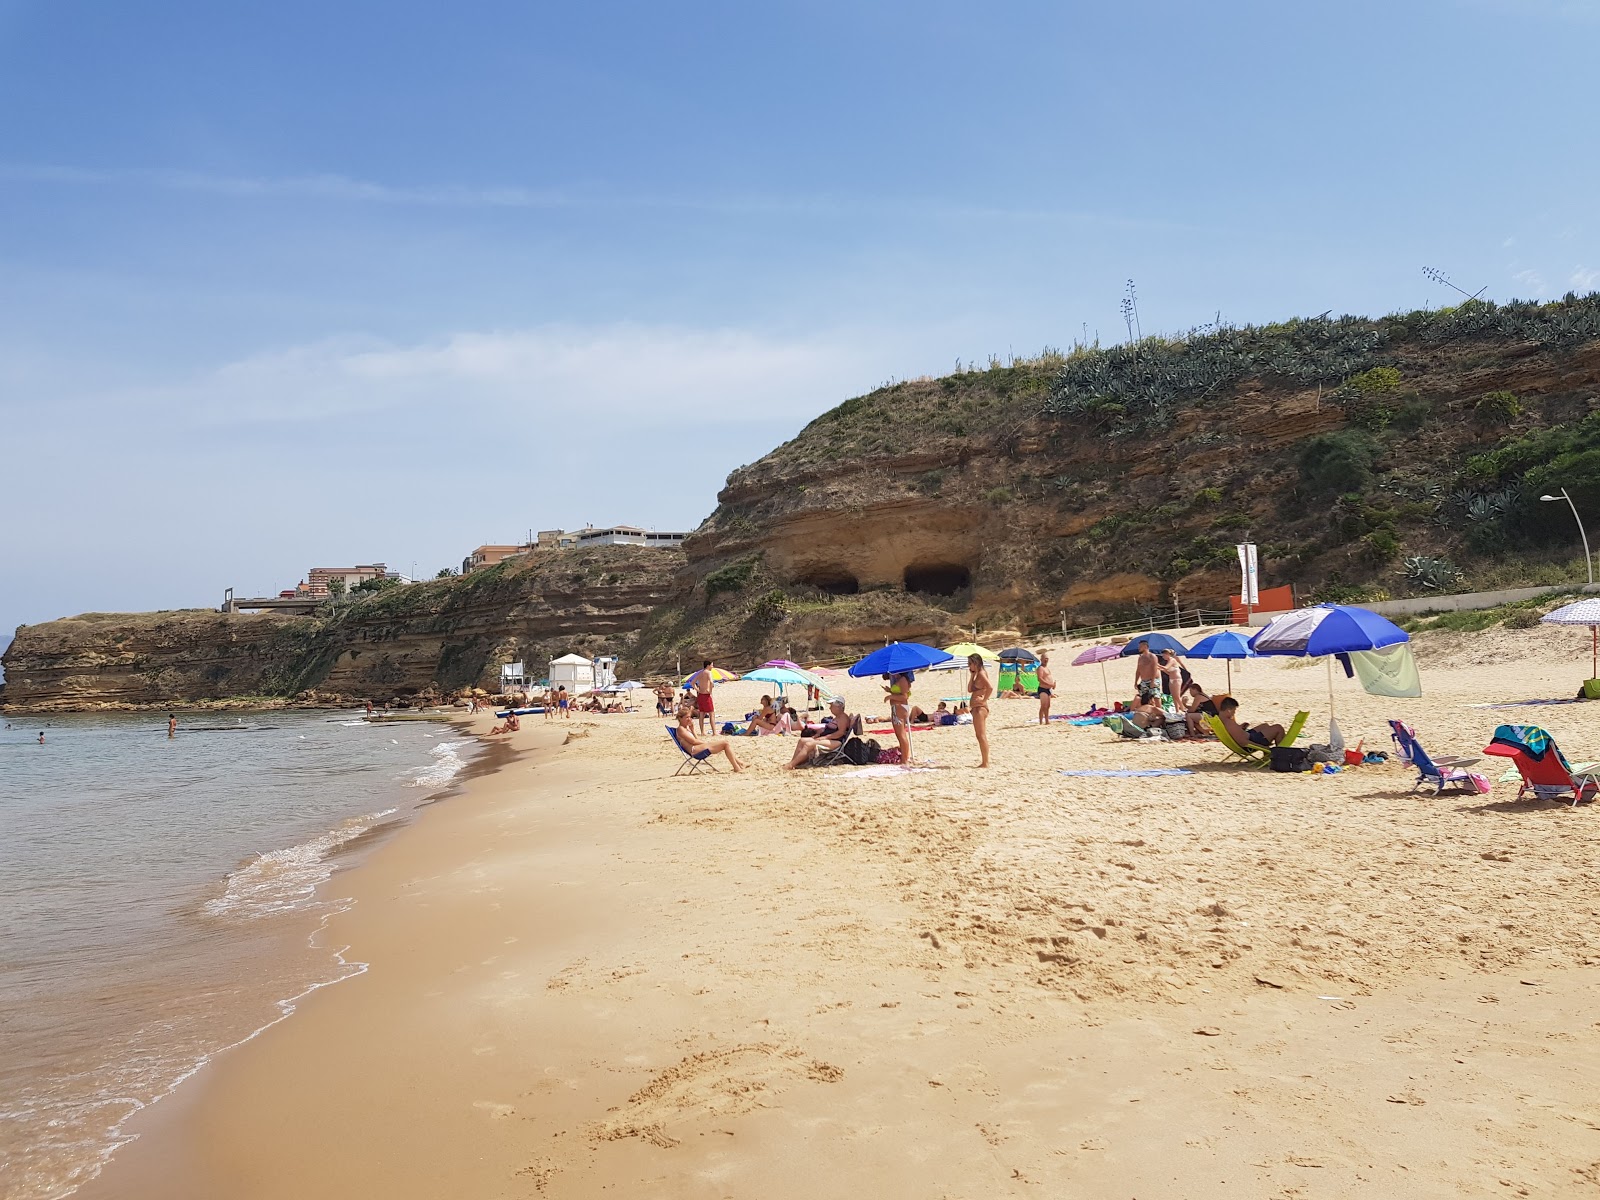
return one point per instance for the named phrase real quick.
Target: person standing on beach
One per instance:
(899, 694)
(1145, 671)
(1047, 686)
(702, 681)
(172, 726)
(981, 688)
(1173, 675)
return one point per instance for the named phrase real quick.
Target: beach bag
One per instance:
(1290, 758)
(860, 752)
(1478, 783)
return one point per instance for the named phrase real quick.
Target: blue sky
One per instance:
(312, 284)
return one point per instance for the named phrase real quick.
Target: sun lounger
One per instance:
(1438, 774)
(691, 762)
(1544, 769)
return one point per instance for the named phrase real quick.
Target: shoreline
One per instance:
(586, 975)
(278, 902)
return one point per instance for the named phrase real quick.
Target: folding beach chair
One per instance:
(1256, 755)
(691, 762)
(1438, 774)
(834, 758)
(1544, 769)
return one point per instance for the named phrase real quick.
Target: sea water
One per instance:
(164, 898)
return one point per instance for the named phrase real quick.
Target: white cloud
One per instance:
(1583, 278)
(651, 375)
(1532, 282)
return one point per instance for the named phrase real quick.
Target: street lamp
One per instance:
(1587, 561)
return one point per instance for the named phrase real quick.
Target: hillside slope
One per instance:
(1364, 457)
(418, 640)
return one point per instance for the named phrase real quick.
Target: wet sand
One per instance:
(589, 978)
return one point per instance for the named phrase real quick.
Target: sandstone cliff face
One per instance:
(930, 507)
(437, 636)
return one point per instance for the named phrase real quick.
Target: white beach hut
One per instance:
(573, 670)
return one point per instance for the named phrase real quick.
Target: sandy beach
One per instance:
(589, 978)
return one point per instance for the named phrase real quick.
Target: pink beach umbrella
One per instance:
(783, 662)
(1101, 655)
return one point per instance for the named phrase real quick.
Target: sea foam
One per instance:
(280, 880)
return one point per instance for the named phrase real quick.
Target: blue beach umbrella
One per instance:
(1327, 629)
(899, 656)
(1158, 643)
(1225, 645)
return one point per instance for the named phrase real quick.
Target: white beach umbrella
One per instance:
(1581, 612)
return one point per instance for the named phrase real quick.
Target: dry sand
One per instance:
(589, 978)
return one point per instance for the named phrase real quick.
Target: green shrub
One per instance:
(1381, 545)
(1497, 408)
(1379, 381)
(1412, 412)
(1338, 462)
(930, 483)
(1208, 495)
(771, 608)
(999, 495)
(731, 578)
(1522, 618)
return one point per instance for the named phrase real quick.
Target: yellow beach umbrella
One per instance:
(963, 650)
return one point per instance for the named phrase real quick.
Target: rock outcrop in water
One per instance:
(424, 639)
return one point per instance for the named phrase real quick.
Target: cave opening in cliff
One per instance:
(943, 579)
(833, 583)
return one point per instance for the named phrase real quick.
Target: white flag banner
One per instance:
(1249, 577)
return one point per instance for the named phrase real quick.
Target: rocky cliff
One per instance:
(422, 639)
(1366, 458)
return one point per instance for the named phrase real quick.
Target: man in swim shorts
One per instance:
(1047, 687)
(1263, 737)
(705, 708)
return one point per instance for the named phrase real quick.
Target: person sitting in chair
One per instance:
(834, 732)
(692, 745)
(1263, 736)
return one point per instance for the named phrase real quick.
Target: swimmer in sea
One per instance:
(172, 726)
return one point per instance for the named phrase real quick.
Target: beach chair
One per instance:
(1257, 755)
(834, 758)
(1124, 728)
(1438, 774)
(1544, 769)
(691, 762)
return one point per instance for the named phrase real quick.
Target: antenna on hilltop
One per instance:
(1438, 276)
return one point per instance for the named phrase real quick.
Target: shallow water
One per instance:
(161, 899)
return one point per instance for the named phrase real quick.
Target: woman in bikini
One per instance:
(981, 688)
(899, 694)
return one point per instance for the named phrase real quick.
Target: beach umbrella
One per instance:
(963, 650)
(1327, 629)
(782, 676)
(718, 675)
(783, 662)
(1226, 645)
(1101, 655)
(1581, 612)
(1016, 654)
(1158, 643)
(897, 657)
(824, 672)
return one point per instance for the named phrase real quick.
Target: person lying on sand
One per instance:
(919, 715)
(692, 745)
(836, 730)
(1264, 736)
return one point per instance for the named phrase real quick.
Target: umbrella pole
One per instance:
(1330, 687)
(1228, 662)
(1106, 682)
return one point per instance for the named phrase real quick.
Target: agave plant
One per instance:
(1435, 574)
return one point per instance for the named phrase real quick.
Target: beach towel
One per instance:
(1087, 720)
(883, 771)
(1128, 773)
(1391, 671)
(1526, 703)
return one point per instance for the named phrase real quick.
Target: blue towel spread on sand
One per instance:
(1127, 774)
